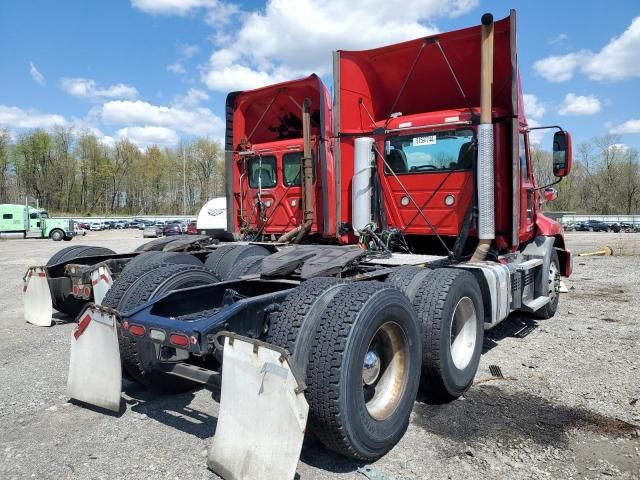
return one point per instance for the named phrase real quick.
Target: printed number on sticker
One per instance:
(421, 141)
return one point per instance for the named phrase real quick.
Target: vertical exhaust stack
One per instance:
(307, 171)
(306, 174)
(484, 171)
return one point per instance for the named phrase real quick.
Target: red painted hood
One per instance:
(376, 76)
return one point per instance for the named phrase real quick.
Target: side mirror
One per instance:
(561, 154)
(550, 194)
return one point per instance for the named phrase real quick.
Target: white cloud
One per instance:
(560, 38)
(533, 108)
(618, 60)
(579, 105)
(560, 68)
(15, 117)
(195, 121)
(292, 38)
(149, 135)
(87, 88)
(177, 67)
(221, 15)
(185, 52)
(226, 74)
(36, 75)
(171, 7)
(81, 126)
(536, 136)
(193, 98)
(630, 126)
(619, 147)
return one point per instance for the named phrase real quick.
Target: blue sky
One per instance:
(157, 71)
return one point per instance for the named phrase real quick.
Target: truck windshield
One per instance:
(44, 214)
(430, 152)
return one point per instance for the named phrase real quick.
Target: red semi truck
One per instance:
(378, 236)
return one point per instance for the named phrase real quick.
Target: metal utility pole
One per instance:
(184, 179)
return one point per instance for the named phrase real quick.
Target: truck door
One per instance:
(286, 212)
(527, 189)
(262, 180)
(36, 224)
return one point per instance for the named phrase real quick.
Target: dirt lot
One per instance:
(567, 407)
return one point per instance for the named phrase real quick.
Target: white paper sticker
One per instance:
(422, 141)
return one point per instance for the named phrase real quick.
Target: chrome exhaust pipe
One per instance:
(484, 171)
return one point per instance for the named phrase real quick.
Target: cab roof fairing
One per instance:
(376, 76)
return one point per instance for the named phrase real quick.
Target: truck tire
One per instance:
(246, 266)
(76, 251)
(56, 235)
(223, 259)
(293, 326)
(408, 279)
(67, 238)
(61, 297)
(55, 258)
(364, 370)
(136, 287)
(450, 309)
(549, 310)
(157, 244)
(156, 258)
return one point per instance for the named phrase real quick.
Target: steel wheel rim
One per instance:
(385, 370)
(463, 333)
(554, 281)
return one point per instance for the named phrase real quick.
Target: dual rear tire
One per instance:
(358, 347)
(365, 348)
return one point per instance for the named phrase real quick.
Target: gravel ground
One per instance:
(567, 406)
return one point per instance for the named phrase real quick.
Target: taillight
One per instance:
(179, 340)
(136, 330)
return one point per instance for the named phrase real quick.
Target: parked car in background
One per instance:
(592, 226)
(629, 227)
(152, 231)
(615, 227)
(95, 227)
(192, 228)
(121, 224)
(172, 229)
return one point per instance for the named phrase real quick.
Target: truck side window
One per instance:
(292, 166)
(524, 168)
(7, 216)
(262, 172)
(33, 216)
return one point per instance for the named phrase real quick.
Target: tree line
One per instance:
(604, 179)
(75, 173)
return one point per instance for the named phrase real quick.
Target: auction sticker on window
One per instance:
(422, 141)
